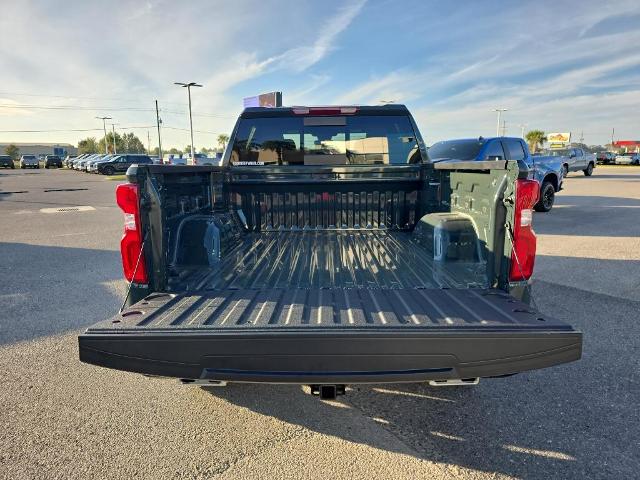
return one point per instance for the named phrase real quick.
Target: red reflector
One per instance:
(523, 254)
(131, 243)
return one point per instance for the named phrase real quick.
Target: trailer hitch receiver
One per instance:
(327, 392)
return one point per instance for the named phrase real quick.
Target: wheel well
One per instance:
(552, 179)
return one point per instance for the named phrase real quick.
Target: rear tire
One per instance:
(589, 170)
(108, 171)
(565, 169)
(547, 198)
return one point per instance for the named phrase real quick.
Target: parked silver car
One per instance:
(29, 161)
(79, 164)
(628, 159)
(92, 165)
(575, 159)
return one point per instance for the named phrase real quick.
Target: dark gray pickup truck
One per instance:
(327, 250)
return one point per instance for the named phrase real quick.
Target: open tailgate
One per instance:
(330, 336)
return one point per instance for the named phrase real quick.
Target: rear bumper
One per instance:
(304, 357)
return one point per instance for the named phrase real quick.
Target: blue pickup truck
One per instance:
(547, 170)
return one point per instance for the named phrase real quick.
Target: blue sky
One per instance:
(556, 66)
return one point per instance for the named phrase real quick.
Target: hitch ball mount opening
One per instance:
(327, 392)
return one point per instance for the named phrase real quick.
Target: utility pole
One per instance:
(104, 127)
(499, 110)
(188, 87)
(504, 127)
(115, 149)
(613, 131)
(522, 129)
(582, 136)
(158, 122)
(148, 142)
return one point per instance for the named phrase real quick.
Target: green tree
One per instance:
(207, 151)
(119, 143)
(88, 145)
(126, 143)
(133, 144)
(12, 151)
(535, 139)
(222, 140)
(155, 151)
(174, 151)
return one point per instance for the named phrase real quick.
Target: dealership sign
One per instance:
(271, 99)
(559, 139)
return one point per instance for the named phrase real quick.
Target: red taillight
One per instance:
(523, 255)
(325, 110)
(131, 243)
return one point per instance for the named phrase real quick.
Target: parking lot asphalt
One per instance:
(60, 271)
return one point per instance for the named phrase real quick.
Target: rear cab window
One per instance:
(494, 151)
(467, 149)
(326, 140)
(515, 149)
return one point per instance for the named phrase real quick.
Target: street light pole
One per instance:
(113, 127)
(188, 86)
(499, 110)
(104, 127)
(159, 140)
(522, 130)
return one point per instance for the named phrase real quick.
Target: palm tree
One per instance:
(535, 138)
(222, 140)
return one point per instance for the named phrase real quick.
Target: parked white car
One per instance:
(200, 159)
(173, 159)
(628, 159)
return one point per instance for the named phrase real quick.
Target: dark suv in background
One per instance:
(6, 161)
(606, 158)
(120, 163)
(52, 161)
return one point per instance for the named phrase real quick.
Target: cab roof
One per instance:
(324, 110)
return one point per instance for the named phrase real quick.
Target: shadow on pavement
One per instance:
(562, 422)
(591, 216)
(614, 277)
(631, 176)
(598, 201)
(48, 290)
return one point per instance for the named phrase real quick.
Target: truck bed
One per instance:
(327, 275)
(328, 259)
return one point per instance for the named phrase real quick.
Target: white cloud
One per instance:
(301, 58)
(452, 70)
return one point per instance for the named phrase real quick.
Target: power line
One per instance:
(187, 130)
(73, 130)
(76, 97)
(97, 108)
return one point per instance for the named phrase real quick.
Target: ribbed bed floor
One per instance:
(326, 259)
